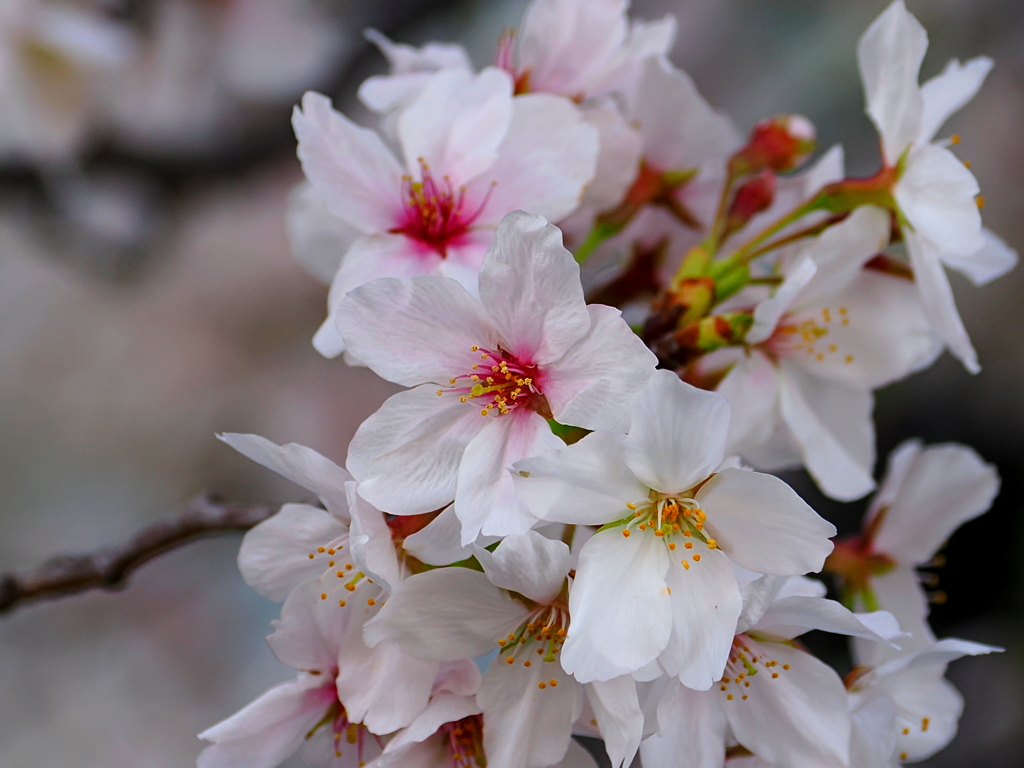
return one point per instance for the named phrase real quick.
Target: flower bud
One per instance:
(751, 198)
(780, 143)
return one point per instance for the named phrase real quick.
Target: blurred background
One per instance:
(148, 300)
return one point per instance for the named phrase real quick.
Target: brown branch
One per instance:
(109, 568)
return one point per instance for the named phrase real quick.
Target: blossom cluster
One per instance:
(565, 525)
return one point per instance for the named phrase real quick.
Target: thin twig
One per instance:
(109, 568)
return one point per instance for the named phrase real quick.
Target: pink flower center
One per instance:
(347, 735)
(502, 383)
(435, 212)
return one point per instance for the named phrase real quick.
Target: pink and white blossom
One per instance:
(905, 710)
(774, 699)
(657, 582)
(935, 193)
(470, 154)
(487, 373)
(833, 331)
(518, 605)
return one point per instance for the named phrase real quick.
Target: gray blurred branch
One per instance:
(109, 568)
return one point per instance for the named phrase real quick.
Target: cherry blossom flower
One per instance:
(656, 583)
(526, 697)
(926, 495)
(777, 701)
(934, 191)
(496, 368)
(581, 48)
(905, 710)
(349, 546)
(305, 714)
(470, 153)
(801, 391)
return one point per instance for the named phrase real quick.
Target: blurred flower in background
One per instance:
(148, 299)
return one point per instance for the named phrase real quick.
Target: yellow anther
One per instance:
(924, 723)
(462, 399)
(906, 731)
(729, 696)
(527, 663)
(371, 601)
(696, 558)
(341, 603)
(774, 675)
(672, 546)
(630, 505)
(954, 139)
(980, 200)
(348, 567)
(712, 544)
(510, 660)
(553, 683)
(542, 685)
(439, 393)
(321, 550)
(688, 545)
(341, 574)
(967, 163)
(785, 666)
(686, 565)
(330, 564)
(323, 595)
(312, 556)
(625, 532)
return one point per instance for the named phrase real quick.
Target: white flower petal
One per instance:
(457, 123)
(439, 543)
(873, 738)
(680, 129)
(443, 708)
(318, 238)
(406, 455)
(937, 195)
(355, 176)
(587, 483)
(529, 564)
(619, 719)
(762, 524)
(303, 466)
(546, 160)
(831, 424)
(752, 389)
(792, 616)
(898, 592)
(706, 604)
(939, 303)
(620, 608)
(446, 615)
(382, 687)
(768, 313)
(486, 500)
(692, 724)
(530, 288)
(947, 92)
(275, 555)
(946, 486)
(370, 257)
(577, 757)
(562, 44)
(621, 147)
(798, 719)
(271, 729)
(309, 631)
(595, 383)
(526, 725)
(841, 251)
(412, 331)
(677, 435)
(427, 58)
(995, 259)
(372, 549)
(889, 54)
